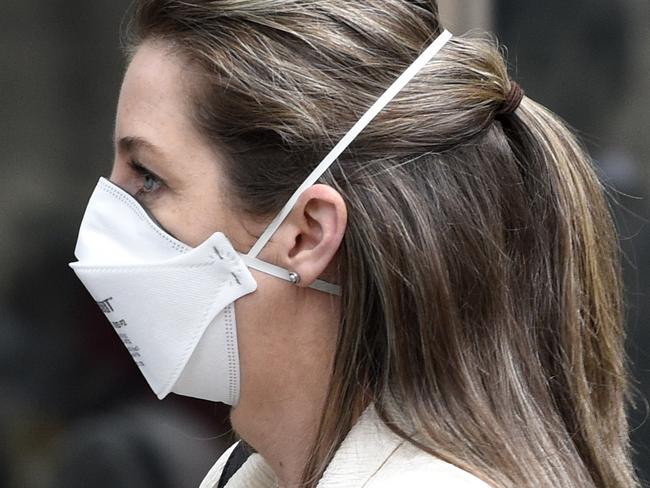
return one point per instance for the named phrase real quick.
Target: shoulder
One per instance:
(373, 456)
(212, 478)
(410, 466)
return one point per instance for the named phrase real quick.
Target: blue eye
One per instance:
(149, 182)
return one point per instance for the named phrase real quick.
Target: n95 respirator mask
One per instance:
(173, 306)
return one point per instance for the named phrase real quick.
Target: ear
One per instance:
(312, 233)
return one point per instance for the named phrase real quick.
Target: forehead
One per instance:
(154, 98)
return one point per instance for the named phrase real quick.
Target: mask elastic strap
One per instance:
(361, 124)
(282, 273)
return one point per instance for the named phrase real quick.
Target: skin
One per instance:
(286, 333)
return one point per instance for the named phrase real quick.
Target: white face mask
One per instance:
(173, 306)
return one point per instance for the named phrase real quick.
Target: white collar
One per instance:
(362, 453)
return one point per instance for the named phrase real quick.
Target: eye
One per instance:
(149, 182)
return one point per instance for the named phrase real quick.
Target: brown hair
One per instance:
(482, 310)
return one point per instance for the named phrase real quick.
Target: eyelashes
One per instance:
(149, 182)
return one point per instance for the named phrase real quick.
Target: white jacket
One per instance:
(371, 456)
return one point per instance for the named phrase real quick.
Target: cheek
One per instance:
(261, 337)
(189, 220)
(254, 313)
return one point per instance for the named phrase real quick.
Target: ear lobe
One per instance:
(317, 225)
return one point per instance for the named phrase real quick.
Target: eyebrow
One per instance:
(131, 144)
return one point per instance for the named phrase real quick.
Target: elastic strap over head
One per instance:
(377, 107)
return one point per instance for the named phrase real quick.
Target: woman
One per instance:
(448, 311)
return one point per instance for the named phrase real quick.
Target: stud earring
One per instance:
(294, 277)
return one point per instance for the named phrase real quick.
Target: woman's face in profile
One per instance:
(164, 161)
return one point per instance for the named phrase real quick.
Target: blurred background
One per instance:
(74, 409)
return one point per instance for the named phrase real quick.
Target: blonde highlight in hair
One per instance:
(482, 309)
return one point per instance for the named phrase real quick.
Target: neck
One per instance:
(283, 436)
(285, 371)
(285, 384)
